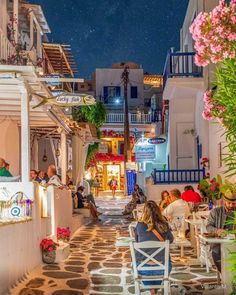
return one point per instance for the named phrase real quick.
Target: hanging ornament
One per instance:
(45, 158)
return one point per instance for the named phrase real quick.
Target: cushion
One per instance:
(9, 179)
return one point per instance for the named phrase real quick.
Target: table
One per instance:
(226, 245)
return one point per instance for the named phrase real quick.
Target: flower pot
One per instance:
(49, 257)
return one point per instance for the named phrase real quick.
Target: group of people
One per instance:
(82, 200)
(50, 178)
(156, 222)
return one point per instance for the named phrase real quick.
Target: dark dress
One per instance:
(143, 235)
(80, 200)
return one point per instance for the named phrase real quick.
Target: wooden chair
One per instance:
(142, 248)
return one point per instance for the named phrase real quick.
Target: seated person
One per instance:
(140, 194)
(165, 200)
(217, 223)
(83, 204)
(42, 177)
(3, 169)
(53, 177)
(131, 205)
(177, 207)
(189, 195)
(33, 175)
(177, 211)
(152, 227)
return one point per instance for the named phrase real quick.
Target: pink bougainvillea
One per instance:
(214, 34)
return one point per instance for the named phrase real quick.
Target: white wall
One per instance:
(112, 77)
(19, 247)
(10, 145)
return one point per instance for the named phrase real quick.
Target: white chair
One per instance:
(142, 247)
(132, 228)
(203, 250)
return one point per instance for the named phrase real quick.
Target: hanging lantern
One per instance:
(45, 158)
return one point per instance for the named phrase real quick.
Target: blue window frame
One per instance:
(133, 92)
(111, 94)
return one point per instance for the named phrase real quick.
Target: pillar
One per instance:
(16, 19)
(25, 135)
(63, 157)
(31, 30)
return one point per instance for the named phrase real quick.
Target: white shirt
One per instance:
(86, 186)
(55, 180)
(177, 209)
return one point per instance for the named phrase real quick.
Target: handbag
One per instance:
(159, 236)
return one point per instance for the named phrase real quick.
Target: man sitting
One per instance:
(217, 223)
(177, 207)
(3, 170)
(53, 177)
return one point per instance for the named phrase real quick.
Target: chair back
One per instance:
(142, 248)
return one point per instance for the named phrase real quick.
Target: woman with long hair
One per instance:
(165, 200)
(153, 226)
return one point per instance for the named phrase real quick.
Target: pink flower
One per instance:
(207, 116)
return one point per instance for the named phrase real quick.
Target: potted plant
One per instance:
(211, 188)
(48, 247)
(63, 234)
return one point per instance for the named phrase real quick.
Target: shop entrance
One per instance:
(110, 171)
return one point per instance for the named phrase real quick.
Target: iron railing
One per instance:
(180, 64)
(178, 176)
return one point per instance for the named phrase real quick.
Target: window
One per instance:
(111, 94)
(121, 148)
(134, 92)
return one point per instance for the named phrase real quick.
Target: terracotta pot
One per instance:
(49, 257)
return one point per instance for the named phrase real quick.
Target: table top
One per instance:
(194, 221)
(227, 239)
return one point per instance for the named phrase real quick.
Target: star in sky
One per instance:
(102, 32)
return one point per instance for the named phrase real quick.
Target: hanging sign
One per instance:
(67, 99)
(103, 148)
(156, 140)
(145, 153)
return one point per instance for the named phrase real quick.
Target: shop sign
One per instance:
(145, 152)
(103, 148)
(156, 140)
(67, 100)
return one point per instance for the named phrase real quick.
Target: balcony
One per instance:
(180, 64)
(178, 176)
(134, 118)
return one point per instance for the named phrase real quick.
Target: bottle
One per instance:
(210, 205)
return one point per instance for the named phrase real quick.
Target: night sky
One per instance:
(102, 32)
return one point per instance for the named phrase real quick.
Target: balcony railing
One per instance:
(178, 176)
(180, 64)
(6, 48)
(118, 118)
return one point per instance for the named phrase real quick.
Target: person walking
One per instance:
(113, 186)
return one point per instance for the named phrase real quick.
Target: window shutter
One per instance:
(134, 92)
(105, 94)
(117, 91)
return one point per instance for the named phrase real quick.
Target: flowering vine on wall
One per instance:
(215, 42)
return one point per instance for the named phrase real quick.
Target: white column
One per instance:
(31, 30)
(25, 135)
(63, 157)
(16, 19)
(39, 42)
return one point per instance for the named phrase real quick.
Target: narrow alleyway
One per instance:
(95, 266)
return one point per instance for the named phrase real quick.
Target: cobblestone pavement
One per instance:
(95, 266)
